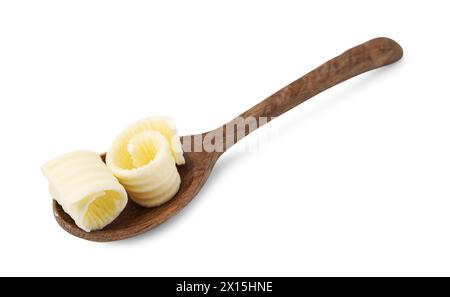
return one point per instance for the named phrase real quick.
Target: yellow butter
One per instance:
(85, 188)
(144, 158)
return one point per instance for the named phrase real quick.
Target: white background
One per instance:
(353, 182)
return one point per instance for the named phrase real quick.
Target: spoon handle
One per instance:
(362, 58)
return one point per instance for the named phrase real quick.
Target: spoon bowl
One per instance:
(135, 219)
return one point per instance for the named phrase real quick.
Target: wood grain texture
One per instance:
(135, 219)
(368, 56)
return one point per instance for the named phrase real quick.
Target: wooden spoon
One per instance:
(135, 219)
